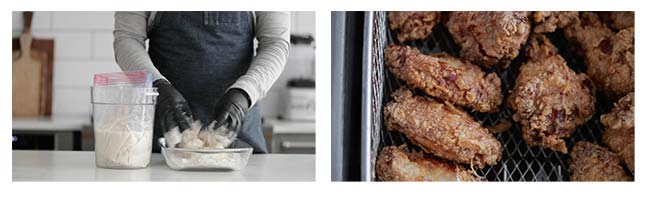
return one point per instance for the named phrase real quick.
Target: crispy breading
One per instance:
(588, 30)
(590, 162)
(549, 99)
(609, 56)
(413, 25)
(618, 20)
(489, 38)
(619, 129)
(445, 77)
(441, 129)
(549, 21)
(396, 164)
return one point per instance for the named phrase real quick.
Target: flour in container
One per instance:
(121, 141)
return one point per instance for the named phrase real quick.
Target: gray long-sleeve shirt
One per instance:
(271, 30)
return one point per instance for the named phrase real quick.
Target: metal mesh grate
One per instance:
(519, 162)
(377, 77)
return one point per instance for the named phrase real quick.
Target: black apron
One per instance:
(202, 54)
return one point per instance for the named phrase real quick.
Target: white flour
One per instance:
(115, 149)
(123, 136)
(196, 160)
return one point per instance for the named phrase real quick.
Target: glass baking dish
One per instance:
(205, 159)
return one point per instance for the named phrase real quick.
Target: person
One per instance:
(204, 65)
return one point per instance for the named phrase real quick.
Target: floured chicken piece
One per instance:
(190, 137)
(220, 138)
(590, 162)
(488, 38)
(609, 56)
(199, 137)
(396, 164)
(413, 25)
(549, 99)
(173, 137)
(441, 129)
(619, 129)
(549, 21)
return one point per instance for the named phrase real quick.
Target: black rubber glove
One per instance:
(231, 109)
(172, 109)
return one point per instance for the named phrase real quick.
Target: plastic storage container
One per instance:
(205, 159)
(123, 119)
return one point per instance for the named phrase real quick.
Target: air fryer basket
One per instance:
(519, 162)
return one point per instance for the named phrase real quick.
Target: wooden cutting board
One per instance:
(31, 74)
(46, 47)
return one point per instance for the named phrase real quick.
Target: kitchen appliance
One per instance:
(32, 142)
(300, 93)
(519, 161)
(301, 100)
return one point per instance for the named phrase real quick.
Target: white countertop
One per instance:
(80, 166)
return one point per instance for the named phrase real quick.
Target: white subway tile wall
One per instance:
(90, 21)
(68, 44)
(84, 46)
(40, 21)
(103, 45)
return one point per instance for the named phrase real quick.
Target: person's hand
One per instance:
(172, 109)
(231, 109)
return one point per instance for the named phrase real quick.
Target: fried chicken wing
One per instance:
(618, 20)
(489, 38)
(441, 129)
(619, 129)
(549, 21)
(445, 77)
(549, 99)
(590, 162)
(588, 30)
(396, 164)
(412, 25)
(609, 56)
